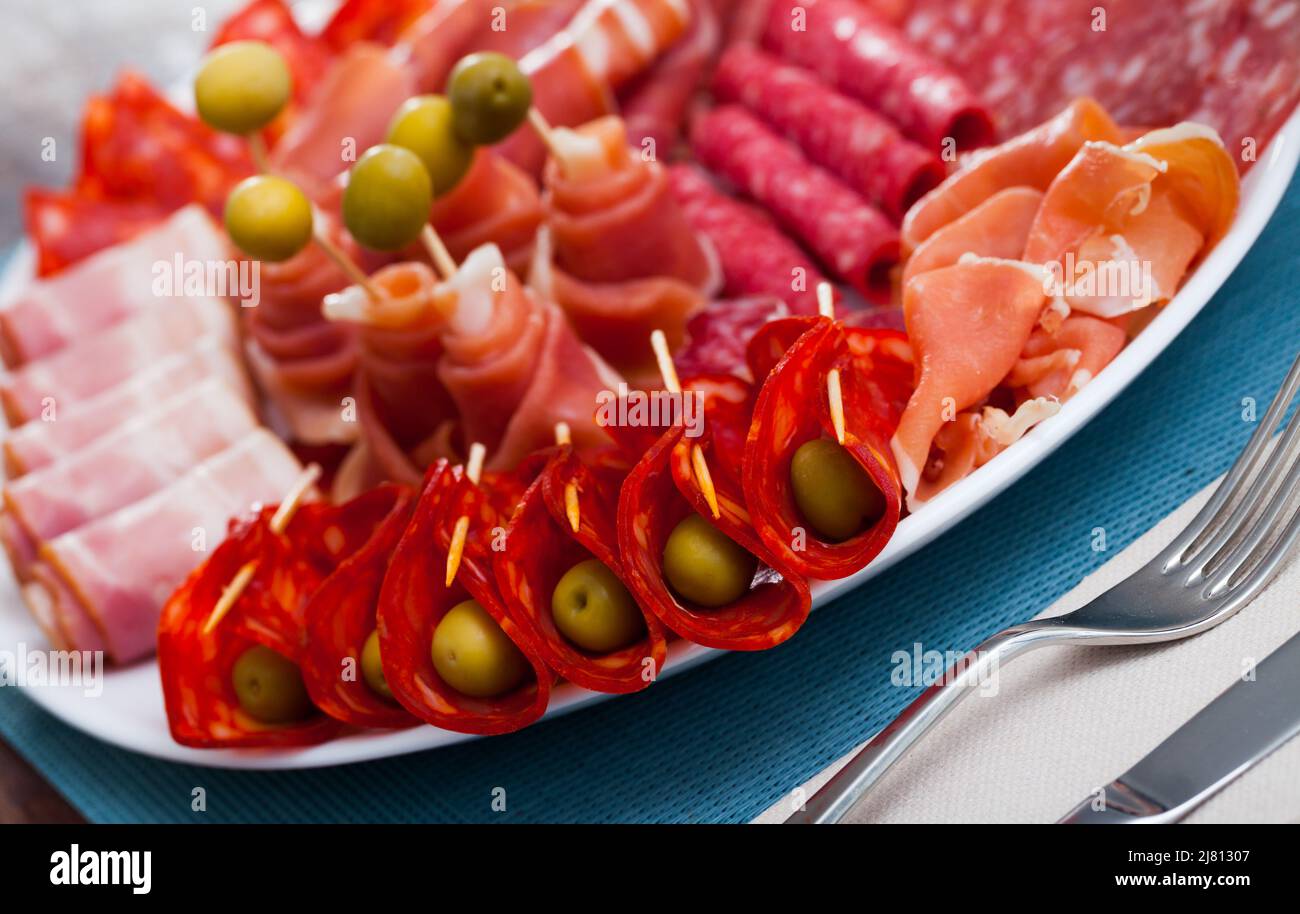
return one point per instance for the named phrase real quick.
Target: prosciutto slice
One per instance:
(139, 458)
(623, 260)
(495, 203)
(112, 285)
(123, 566)
(38, 444)
(96, 363)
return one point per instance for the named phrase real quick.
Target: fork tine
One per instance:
(1268, 565)
(1277, 463)
(1265, 525)
(1241, 471)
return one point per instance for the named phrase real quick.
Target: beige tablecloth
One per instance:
(1066, 720)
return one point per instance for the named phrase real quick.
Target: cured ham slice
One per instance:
(112, 285)
(343, 611)
(495, 203)
(402, 407)
(82, 370)
(849, 236)
(862, 148)
(998, 227)
(121, 567)
(139, 458)
(415, 597)
(575, 73)
(850, 47)
(968, 324)
(619, 255)
(756, 257)
(38, 444)
(541, 546)
(1032, 159)
(1059, 364)
(875, 369)
(661, 491)
(514, 366)
(195, 661)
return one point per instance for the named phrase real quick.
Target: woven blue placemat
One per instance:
(723, 742)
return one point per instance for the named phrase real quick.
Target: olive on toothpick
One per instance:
(240, 88)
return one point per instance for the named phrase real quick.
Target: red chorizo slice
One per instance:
(342, 613)
(540, 547)
(414, 599)
(661, 491)
(875, 374)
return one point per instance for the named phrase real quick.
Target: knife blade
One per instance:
(1229, 735)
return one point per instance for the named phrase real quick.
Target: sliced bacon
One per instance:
(968, 324)
(540, 547)
(195, 665)
(93, 365)
(661, 491)
(862, 148)
(414, 599)
(849, 236)
(495, 203)
(756, 257)
(122, 566)
(792, 409)
(1032, 159)
(110, 286)
(142, 456)
(39, 444)
(343, 611)
(850, 47)
(620, 256)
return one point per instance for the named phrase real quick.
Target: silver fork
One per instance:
(1217, 565)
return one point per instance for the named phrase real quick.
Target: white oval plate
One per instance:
(129, 712)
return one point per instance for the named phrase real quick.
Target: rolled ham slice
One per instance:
(495, 203)
(123, 566)
(574, 74)
(860, 147)
(618, 255)
(849, 236)
(96, 363)
(112, 285)
(846, 44)
(38, 444)
(142, 456)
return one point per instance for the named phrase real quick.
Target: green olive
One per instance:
(386, 202)
(473, 655)
(834, 494)
(372, 667)
(268, 218)
(423, 125)
(242, 86)
(269, 687)
(490, 97)
(593, 609)
(706, 566)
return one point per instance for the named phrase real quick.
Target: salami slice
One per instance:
(341, 614)
(718, 336)
(195, 665)
(757, 258)
(414, 599)
(541, 546)
(661, 491)
(849, 236)
(875, 376)
(853, 49)
(860, 147)
(381, 21)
